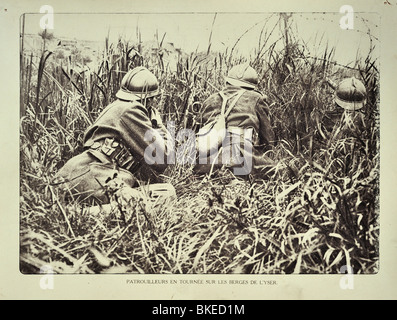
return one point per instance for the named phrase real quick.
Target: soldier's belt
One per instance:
(116, 152)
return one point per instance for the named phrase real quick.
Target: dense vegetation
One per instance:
(316, 212)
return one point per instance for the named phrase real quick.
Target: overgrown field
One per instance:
(317, 212)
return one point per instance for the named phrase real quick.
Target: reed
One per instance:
(318, 211)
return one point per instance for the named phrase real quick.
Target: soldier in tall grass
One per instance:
(346, 119)
(115, 144)
(247, 112)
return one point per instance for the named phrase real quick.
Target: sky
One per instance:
(191, 31)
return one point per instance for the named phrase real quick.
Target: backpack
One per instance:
(211, 136)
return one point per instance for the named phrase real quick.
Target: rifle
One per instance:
(331, 83)
(155, 118)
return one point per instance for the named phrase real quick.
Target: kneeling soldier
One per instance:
(248, 130)
(347, 118)
(115, 144)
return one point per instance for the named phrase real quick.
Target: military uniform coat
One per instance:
(125, 121)
(250, 111)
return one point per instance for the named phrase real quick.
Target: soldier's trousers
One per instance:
(86, 177)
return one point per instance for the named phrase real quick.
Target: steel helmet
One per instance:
(351, 94)
(242, 75)
(138, 84)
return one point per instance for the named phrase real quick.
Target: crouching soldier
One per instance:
(248, 130)
(346, 119)
(116, 143)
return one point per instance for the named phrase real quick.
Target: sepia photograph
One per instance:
(216, 143)
(217, 150)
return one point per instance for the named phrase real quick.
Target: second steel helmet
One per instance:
(350, 94)
(242, 75)
(138, 84)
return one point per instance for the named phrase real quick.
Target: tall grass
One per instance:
(317, 211)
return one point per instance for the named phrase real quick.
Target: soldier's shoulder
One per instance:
(212, 98)
(214, 95)
(123, 104)
(254, 95)
(120, 107)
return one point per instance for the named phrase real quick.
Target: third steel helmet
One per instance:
(350, 94)
(242, 75)
(138, 84)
